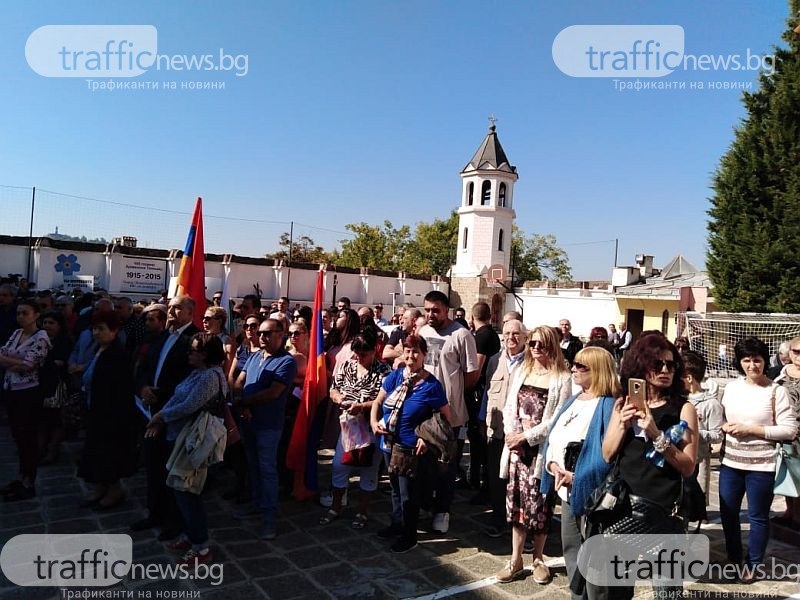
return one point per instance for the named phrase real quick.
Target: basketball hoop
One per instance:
(495, 276)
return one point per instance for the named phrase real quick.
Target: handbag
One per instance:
(437, 433)
(403, 462)
(59, 398)
(571, 453)
(608, 503)
(787, 469)
(359, 457)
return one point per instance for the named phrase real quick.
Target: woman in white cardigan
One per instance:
(757, 415)
(535, 394)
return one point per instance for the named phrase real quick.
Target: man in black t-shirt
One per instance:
(487, 344)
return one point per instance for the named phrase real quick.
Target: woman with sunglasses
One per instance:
(633, 431)
(537, 391)
(756, 414)
(573, 452)
(214, 321)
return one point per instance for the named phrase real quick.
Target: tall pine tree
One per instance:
(754, 230)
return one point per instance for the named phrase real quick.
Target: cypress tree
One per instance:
(754, 229)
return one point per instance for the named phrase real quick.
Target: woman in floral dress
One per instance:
(535, 394)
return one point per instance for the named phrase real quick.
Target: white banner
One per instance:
(142, 275)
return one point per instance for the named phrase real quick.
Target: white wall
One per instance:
(240, 278)
(584, 308)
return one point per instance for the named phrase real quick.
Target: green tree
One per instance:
(538, 257)
(304, 250)
(755, 210)
(432, 248)
(373, 246)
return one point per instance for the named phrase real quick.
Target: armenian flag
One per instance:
(301, 456)
(192, 274)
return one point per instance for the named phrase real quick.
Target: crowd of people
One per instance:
(547, 416)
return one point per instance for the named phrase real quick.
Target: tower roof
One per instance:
(490, 155)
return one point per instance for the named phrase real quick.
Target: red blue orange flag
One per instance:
(192, 274)
(301, 456)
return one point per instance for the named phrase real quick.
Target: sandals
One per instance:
(329, 517)
(360, 521)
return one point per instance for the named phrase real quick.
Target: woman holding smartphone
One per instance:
(635, 429)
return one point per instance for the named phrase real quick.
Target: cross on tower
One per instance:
(492, 119)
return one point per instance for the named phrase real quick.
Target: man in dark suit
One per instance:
(167, 367)
(570, 345)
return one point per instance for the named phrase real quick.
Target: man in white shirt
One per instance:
(452, 359)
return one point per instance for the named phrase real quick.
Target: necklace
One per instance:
(574, 413)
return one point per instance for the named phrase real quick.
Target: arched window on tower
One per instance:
(486, 193)
(466, 235)
(664, 321)
(501, 195)
(500, 241)
(470, 193)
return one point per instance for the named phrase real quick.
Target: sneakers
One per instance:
(541, 574)
(403, 545)
(510, 572)
(441, 522)
(390, 532)
(326, 499)
(195, 557)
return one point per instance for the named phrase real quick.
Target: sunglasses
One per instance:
(537, 344)
(580, 367)
(268, 332)
(210, 319)
(251, 326)
(295, 333)
(658, 365)
(796, 351)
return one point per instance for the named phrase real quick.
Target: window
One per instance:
(470, 193)
(501, 199)
(464, 242)
(486, 193)
(500, 241)
(664, 321)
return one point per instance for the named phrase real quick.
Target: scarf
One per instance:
(395, 400)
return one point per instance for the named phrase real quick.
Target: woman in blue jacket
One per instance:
(574, 463)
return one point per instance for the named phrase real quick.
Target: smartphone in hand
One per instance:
(637, 394)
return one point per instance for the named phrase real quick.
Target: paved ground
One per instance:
(310, 561)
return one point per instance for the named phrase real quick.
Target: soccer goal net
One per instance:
(715, 334)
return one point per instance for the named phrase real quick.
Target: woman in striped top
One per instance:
(757, 414)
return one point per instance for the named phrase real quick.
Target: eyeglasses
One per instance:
(580, 367)
(537, 344)
(268, 332)
(658, 365)
(511, 334)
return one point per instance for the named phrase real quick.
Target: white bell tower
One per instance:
(486, 214)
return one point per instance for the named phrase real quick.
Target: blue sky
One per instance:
(365, 111)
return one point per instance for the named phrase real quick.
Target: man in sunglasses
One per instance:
(265, 384)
